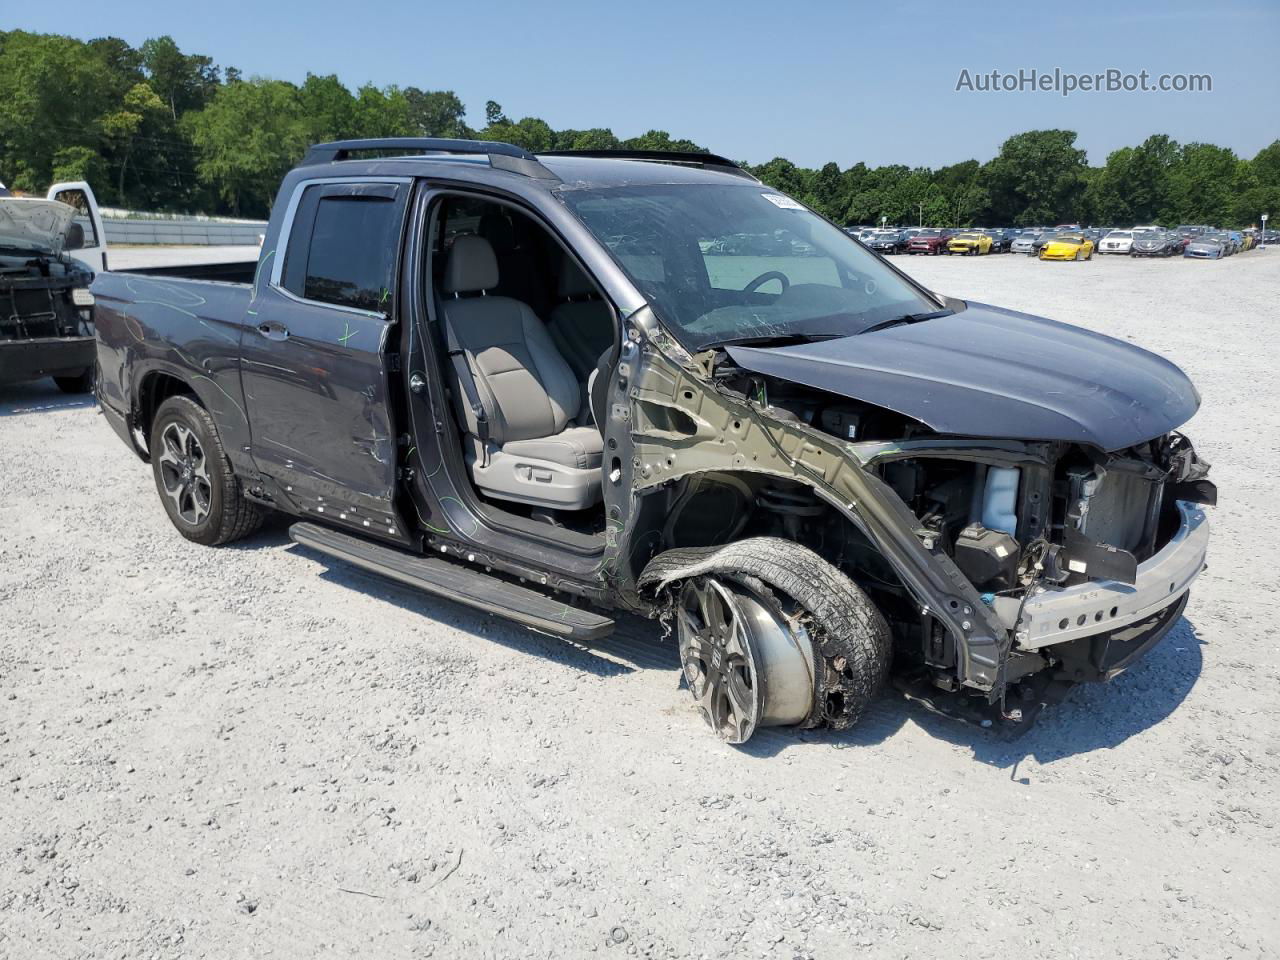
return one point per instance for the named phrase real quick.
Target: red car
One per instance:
(931, 242)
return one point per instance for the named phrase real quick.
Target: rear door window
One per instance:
(344, 244)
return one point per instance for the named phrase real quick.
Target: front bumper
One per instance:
(1056, 615)
(45, 357)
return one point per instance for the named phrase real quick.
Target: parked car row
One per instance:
(1063, 242)
(932, 241)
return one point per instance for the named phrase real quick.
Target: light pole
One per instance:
(1263, 238)
(920, 207)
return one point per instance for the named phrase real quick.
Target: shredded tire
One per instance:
(231, 516)
(851, 636)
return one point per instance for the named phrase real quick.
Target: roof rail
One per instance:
(677, 157)
(505, 156)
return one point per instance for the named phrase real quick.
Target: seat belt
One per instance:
(462, 370)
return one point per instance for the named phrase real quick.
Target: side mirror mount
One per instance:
(75, 238)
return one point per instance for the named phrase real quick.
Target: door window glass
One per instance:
(78, 200)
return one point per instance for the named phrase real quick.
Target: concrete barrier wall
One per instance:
(184, 232)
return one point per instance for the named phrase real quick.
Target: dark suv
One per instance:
(550, 386)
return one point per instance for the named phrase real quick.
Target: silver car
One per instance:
(1024, 243)
(1205, 248)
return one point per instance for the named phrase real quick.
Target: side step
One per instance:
(455, 582)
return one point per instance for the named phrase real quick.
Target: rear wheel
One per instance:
(771, 634)
(197, 486)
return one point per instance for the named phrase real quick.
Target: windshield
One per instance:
(721, 263)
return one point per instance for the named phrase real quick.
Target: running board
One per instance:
(453, 581)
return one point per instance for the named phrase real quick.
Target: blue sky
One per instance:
(810, 81)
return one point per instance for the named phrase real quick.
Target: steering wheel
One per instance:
(764, 278)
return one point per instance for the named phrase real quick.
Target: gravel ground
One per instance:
(247, 752)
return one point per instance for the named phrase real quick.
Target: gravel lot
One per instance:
(247, 752)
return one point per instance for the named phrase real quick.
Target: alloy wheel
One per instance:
(184, 473)
(718, 660)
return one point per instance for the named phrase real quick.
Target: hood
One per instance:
(37, 226)
(989, 372)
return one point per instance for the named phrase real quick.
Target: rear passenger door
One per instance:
(315, 351)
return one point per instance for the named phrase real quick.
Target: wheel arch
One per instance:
(153, 387)
(679, 423)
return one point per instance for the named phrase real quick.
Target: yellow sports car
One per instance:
(972, 243)
(1068, 246)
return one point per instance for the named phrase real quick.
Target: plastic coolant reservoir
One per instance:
(1000, 502)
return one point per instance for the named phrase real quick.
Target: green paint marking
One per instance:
(347, 333)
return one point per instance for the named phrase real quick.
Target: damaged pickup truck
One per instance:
(46, 309)
(552, 386)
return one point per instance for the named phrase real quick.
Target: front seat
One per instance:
(516, 396)
(582, 323)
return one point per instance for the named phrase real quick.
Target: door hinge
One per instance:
(393, 362)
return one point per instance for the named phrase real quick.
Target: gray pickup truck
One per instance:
(553, 386)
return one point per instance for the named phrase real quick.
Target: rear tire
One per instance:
(199, 490)
(80, 383)
(809, 599)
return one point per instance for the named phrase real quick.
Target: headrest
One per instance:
(471, 266)
(573, 282)
(498, 229)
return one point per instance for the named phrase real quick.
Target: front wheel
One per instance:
(770, 634)
(197, 486)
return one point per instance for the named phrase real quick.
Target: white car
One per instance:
(1117, 241)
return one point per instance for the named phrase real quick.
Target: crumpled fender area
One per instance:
(850, 637)
(680, 424)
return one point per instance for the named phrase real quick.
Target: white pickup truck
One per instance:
(50, 250)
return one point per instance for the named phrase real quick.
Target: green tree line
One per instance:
(152, 127)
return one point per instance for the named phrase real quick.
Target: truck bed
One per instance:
(184, 321)
(228, 264)
(234, 272)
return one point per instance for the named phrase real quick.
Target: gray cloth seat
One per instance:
(529, 448)
(581, 324)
